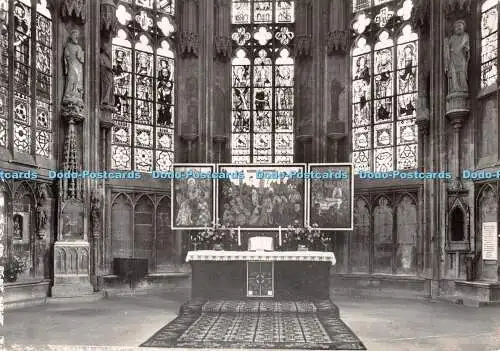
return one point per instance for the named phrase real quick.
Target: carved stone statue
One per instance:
(42, 217)
(74, 57)
(95, 212)
(18, 227)
(107, 78)
(457, 54)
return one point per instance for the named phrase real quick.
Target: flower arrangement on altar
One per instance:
(305, 238)
(218, 237)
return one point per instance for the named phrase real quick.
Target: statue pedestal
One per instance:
(457, 104)
(71, 269)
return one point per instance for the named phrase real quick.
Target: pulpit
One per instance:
(283, 275)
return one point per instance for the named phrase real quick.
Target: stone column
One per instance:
(220, 112)
(338, 42)
(304, 91)
(190, 120)
(71, 250)
(104, 123)
(333, 126)
(420, 25)
(436, 191)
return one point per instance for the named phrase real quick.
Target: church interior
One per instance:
(103, 101)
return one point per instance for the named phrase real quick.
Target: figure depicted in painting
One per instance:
(194, 208)
(362, 70)
(406, 107)
(242, 76)
(330, 205)
(21, 25)
(263, 120)
(240, 123)
(74, 58)
(384, 67)
(240, 101)
(18, 227)
(382, 113)
(407, 75)
(262, 204)
(164, 93)
(143, 63)
(261, 100)
(457, 55)
(297, 213)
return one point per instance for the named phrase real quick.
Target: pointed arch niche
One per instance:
(140, 228)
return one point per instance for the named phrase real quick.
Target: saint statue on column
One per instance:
(457, 54)
(74, 58)
(107, 76)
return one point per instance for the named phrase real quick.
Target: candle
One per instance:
(279, 236)
(239, 237)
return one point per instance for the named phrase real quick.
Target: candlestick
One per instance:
(239, 237)
(279, 236)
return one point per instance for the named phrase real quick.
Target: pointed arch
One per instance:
(360, 240)
(406, 235)
(384, 76)
(262, 82)
(144, 225)
(121, 226)
(144, 66)
(166, 243)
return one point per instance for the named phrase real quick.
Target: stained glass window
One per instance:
(4, 69)
(31, 76)
(143, 65)
(489, 42)
(384, 87)
(262, 81)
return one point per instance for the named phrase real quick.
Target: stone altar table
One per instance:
(289, 275)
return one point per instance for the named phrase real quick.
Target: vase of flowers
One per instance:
(305, 239)
(14, 266)
(217, 237)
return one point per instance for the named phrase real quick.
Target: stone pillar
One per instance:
(304, 91)
(72, 249)
(337, 47)
(104, 123)
(190, 77)
(436, 194)
(420, 25)
(220, 111)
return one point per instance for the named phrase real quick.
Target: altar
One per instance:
(280, 275)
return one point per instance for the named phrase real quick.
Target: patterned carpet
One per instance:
(257, 324)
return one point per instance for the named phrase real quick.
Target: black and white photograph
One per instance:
(330, 195)
(193, 196)
(266, 197)
(249, 175)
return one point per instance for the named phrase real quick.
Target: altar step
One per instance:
(260, 306)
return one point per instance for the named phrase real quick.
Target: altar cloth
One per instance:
(264, 256)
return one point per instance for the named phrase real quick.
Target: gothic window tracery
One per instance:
(30, 128)
(144, 89)
(384, 86)
(489, 42)
(262, 81)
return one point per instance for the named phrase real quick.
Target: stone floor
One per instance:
(382, 324)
